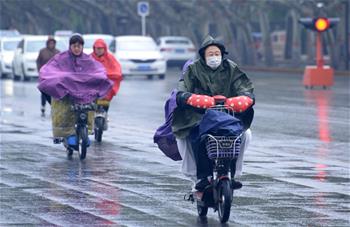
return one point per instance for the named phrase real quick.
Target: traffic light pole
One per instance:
(319, 54)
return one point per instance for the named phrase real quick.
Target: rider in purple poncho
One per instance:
(72, 77)
(75, 74)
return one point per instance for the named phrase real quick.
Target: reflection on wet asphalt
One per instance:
(296, 169)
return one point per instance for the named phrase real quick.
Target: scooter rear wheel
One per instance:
(99, 123)
(202, 210)
(225, 200)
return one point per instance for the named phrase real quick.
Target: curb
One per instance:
(287, 70)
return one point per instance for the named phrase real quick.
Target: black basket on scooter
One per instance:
(223, 147)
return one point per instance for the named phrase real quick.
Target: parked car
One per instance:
(62, 43)
(62, 38)
(89, 40)
(63, 33)
(26, 53)
(9, 33)
(24, 62)
(176, 49)
(139, 55)
(7, 49)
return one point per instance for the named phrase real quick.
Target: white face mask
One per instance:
(213, 61)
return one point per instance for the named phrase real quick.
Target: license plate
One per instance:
(144, 68)
(180, 51)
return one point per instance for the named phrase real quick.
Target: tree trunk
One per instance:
(252, 52)
(289, 38)
(266, 39)
(296, 38)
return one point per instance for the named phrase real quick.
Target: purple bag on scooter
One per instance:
(164, 136)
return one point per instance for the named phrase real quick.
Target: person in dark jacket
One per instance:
(45, 55)
(212, 74)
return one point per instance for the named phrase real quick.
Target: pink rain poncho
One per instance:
(80, 78)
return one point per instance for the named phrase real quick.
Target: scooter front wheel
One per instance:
(225, 200)
(83, 142)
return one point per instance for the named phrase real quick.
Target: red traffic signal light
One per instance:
(319, 24)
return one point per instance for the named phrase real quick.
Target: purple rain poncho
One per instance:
(81, 78)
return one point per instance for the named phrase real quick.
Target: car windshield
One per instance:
(10, 45)
(139, 45)
(9, 33)
(179, 41)
(35, 46)
(89, 42)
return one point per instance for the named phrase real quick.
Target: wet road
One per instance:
(296, 171)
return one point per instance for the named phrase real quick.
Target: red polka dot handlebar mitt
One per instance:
(240, 103)
(201, 101)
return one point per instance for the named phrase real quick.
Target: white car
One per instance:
(139, 55)
(89, 40)
(9, 33)
(62, 43)
(176, 49)
(24, 62)
(63, 33)
(7, 49)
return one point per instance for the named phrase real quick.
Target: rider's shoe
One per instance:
(189, 197)
(202, 184)
(236, 184)
(42, 109)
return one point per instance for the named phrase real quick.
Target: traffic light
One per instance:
(319, 24)
(319, 74)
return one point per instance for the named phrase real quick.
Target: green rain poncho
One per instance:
(227, 80)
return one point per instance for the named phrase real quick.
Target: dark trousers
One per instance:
(45, 98)
(106, 108)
